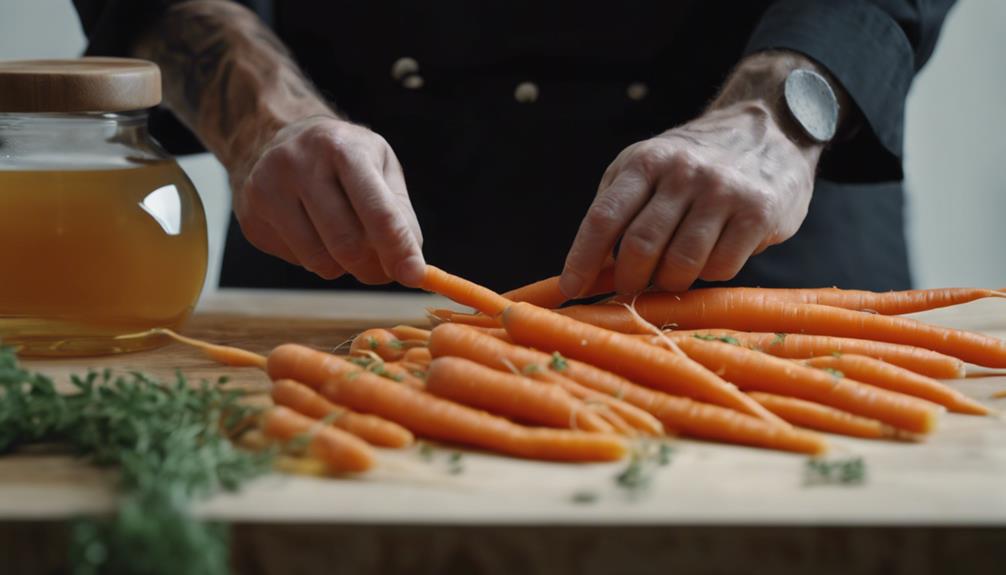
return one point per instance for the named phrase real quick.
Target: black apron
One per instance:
(500, 185)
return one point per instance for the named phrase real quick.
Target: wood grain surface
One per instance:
(928, 507)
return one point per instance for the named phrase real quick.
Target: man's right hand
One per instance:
(309, 187)
(330, 196)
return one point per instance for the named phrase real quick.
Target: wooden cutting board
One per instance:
(954, 477)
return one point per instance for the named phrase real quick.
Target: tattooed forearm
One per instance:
(228, 78)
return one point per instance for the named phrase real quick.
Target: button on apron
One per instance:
(403, 67)
(526, 92)
(637, 91)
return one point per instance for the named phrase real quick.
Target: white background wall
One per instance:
(955, 150)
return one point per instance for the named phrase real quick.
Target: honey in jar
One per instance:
(102, 236)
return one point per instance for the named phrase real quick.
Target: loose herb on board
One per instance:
(171, 442)
(645, 461)
(850, 471)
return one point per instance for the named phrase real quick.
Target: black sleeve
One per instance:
(873, 48)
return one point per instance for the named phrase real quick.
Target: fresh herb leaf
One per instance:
(643, 464)
(361, 361)
(664, 453)
(455, 465)
(851, 471)
(634, 477)
(531, 369)
(425, 451)
(723, 338)
(558, 363)
(171, 444)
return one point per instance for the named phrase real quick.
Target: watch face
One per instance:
(813, 104)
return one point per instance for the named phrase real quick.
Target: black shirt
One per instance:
(500, 185)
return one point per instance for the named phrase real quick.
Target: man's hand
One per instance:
(698, 200)
(330, 196)
(308, 186)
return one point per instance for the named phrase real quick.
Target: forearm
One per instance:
(758, 81)
(228, 78)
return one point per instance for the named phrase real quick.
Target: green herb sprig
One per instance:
(171, 444)
(850, 471)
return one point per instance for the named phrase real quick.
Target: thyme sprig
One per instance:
(171, 444)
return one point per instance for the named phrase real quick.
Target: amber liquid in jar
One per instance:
(90, 255)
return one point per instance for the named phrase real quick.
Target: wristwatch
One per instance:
(812, 104)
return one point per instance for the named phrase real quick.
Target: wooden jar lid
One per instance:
(82, 85)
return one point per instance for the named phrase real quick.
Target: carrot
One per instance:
(309, 402)
(441, 315)
(625, 355)
(624, 416)
(756, 371)
(463, 291)
(434, 417)
(764, 314)
(225, 354)
(887, 376)
(340, 450)
(696, 419)
(400, 371)
(680, 414)
(800, 346)
(511, 395)
(382, 342)
(409, 332)
(418, 355)
(496, 332)
(546, 293)
(693, 418)
(453, 340)
(611, 417)
(884, 303)
(823, 418)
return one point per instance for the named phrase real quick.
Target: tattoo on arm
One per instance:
(229, 78)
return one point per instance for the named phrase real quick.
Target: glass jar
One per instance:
(102, 235)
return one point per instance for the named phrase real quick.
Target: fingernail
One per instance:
(570, 284)
(410, 271)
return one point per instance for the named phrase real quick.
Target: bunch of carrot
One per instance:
(579, 383)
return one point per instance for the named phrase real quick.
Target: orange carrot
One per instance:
(680, 414)
(497, 332)
(622, 415)
(823, 418)
(696, 419)
(884, 303)
(379, 341)
(887, 376)
(409, 332)
(227, 355)
(511, 395)
(625, 355)
(756, 371)
(418, 355)
(399, 371)
(463, 291)
(472, 319)
(340, 450)
(430, 416)
(453, 340)
(765, 314)
(800, 346)
(546, 293)
(309, 402)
